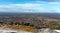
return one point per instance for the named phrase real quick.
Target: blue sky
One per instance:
(42, 6)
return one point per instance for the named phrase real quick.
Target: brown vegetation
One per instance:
(21, 27)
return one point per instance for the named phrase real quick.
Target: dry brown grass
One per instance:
(20, 27)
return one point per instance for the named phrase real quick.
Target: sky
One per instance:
(30, 6)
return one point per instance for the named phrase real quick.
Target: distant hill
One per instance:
(52, 15)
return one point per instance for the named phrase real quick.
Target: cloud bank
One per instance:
(18, 7)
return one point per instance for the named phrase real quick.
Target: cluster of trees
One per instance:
(35, 25)
(51, 25)
(54, 25)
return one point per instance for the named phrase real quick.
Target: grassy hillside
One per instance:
(21, 27)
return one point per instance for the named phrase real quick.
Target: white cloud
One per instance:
(54, 3)
(18, 7)
(26, 5)
(25, 8)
